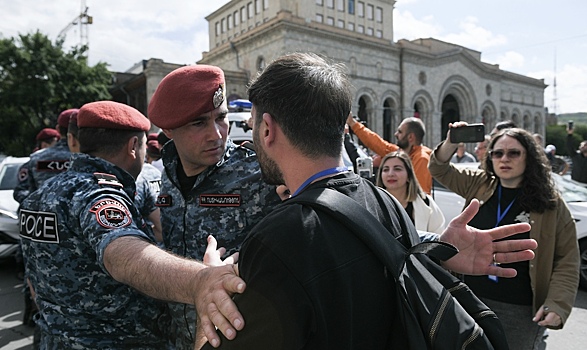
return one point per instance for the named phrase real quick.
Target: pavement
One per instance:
(13, 334)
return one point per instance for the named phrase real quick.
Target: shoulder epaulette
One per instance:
(107, 180)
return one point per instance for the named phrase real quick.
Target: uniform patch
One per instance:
(38, 226)
(57, 165)
(155, 186)
(220, 200)
(107, 180)
(163, 200)
(111, 213)
(23, 174)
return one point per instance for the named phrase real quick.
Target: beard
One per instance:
(402, 143)
(269, 170)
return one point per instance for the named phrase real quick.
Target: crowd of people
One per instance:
(133, 242)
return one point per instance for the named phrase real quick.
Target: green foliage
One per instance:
(557, 136)
(579, 118)
(38, 80)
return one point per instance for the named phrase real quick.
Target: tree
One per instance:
(557, 136)
(38, 80)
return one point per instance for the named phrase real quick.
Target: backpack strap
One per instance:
(368, 228)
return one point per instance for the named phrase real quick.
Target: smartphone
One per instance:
(469, 133)
(365, 167)
(570, 125)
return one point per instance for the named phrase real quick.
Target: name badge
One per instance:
(220, 200)
(163, 200)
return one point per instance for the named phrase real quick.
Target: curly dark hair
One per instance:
(538, 191)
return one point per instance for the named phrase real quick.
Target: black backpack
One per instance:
(437, 310)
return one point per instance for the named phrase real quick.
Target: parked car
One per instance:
(574, 195)
(239, 130)
(9, 235)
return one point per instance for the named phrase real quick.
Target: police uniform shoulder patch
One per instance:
(107, 180)
(111, 213)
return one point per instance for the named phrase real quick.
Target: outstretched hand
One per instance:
(214, 289)
(214, 304)
(478, 253)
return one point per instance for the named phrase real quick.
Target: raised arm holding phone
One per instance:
(515, 186)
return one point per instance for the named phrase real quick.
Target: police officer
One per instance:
(148, 188)
(72, 129)
(94, 259)
(46, 138)
(210, 186)
(51, 158)
(45, 163)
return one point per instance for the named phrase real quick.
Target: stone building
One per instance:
(438, 81)
(136, 86)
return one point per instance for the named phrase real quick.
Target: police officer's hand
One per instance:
(213, 288)
(213, 255)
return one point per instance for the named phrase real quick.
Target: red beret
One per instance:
(111, 115)
(63, 119)
(47, 133)
(152, 136)
(153, 148)
(186, 93)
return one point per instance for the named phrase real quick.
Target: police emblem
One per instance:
(218, 96)
(23, 174)
(111, 213)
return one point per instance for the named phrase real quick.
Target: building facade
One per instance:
(437, 81)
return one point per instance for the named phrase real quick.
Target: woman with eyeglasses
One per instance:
(514, 185)
(396, 175)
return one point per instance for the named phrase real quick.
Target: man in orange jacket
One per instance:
(409, 136)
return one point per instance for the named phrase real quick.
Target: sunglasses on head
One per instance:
(510, 153)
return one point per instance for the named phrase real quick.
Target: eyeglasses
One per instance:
(510, 153)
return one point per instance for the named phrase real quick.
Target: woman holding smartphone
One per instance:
(514, 186)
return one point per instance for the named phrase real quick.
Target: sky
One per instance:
(543, 39)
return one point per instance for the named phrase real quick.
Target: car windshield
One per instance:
(571, 192)
(8, 176)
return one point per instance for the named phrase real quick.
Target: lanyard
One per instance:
(337, 170)
(501, 215)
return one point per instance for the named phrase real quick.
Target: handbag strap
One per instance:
(368, 228)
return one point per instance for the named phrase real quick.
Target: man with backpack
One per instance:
(312, 282)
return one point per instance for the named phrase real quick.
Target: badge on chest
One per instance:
(220, 200)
